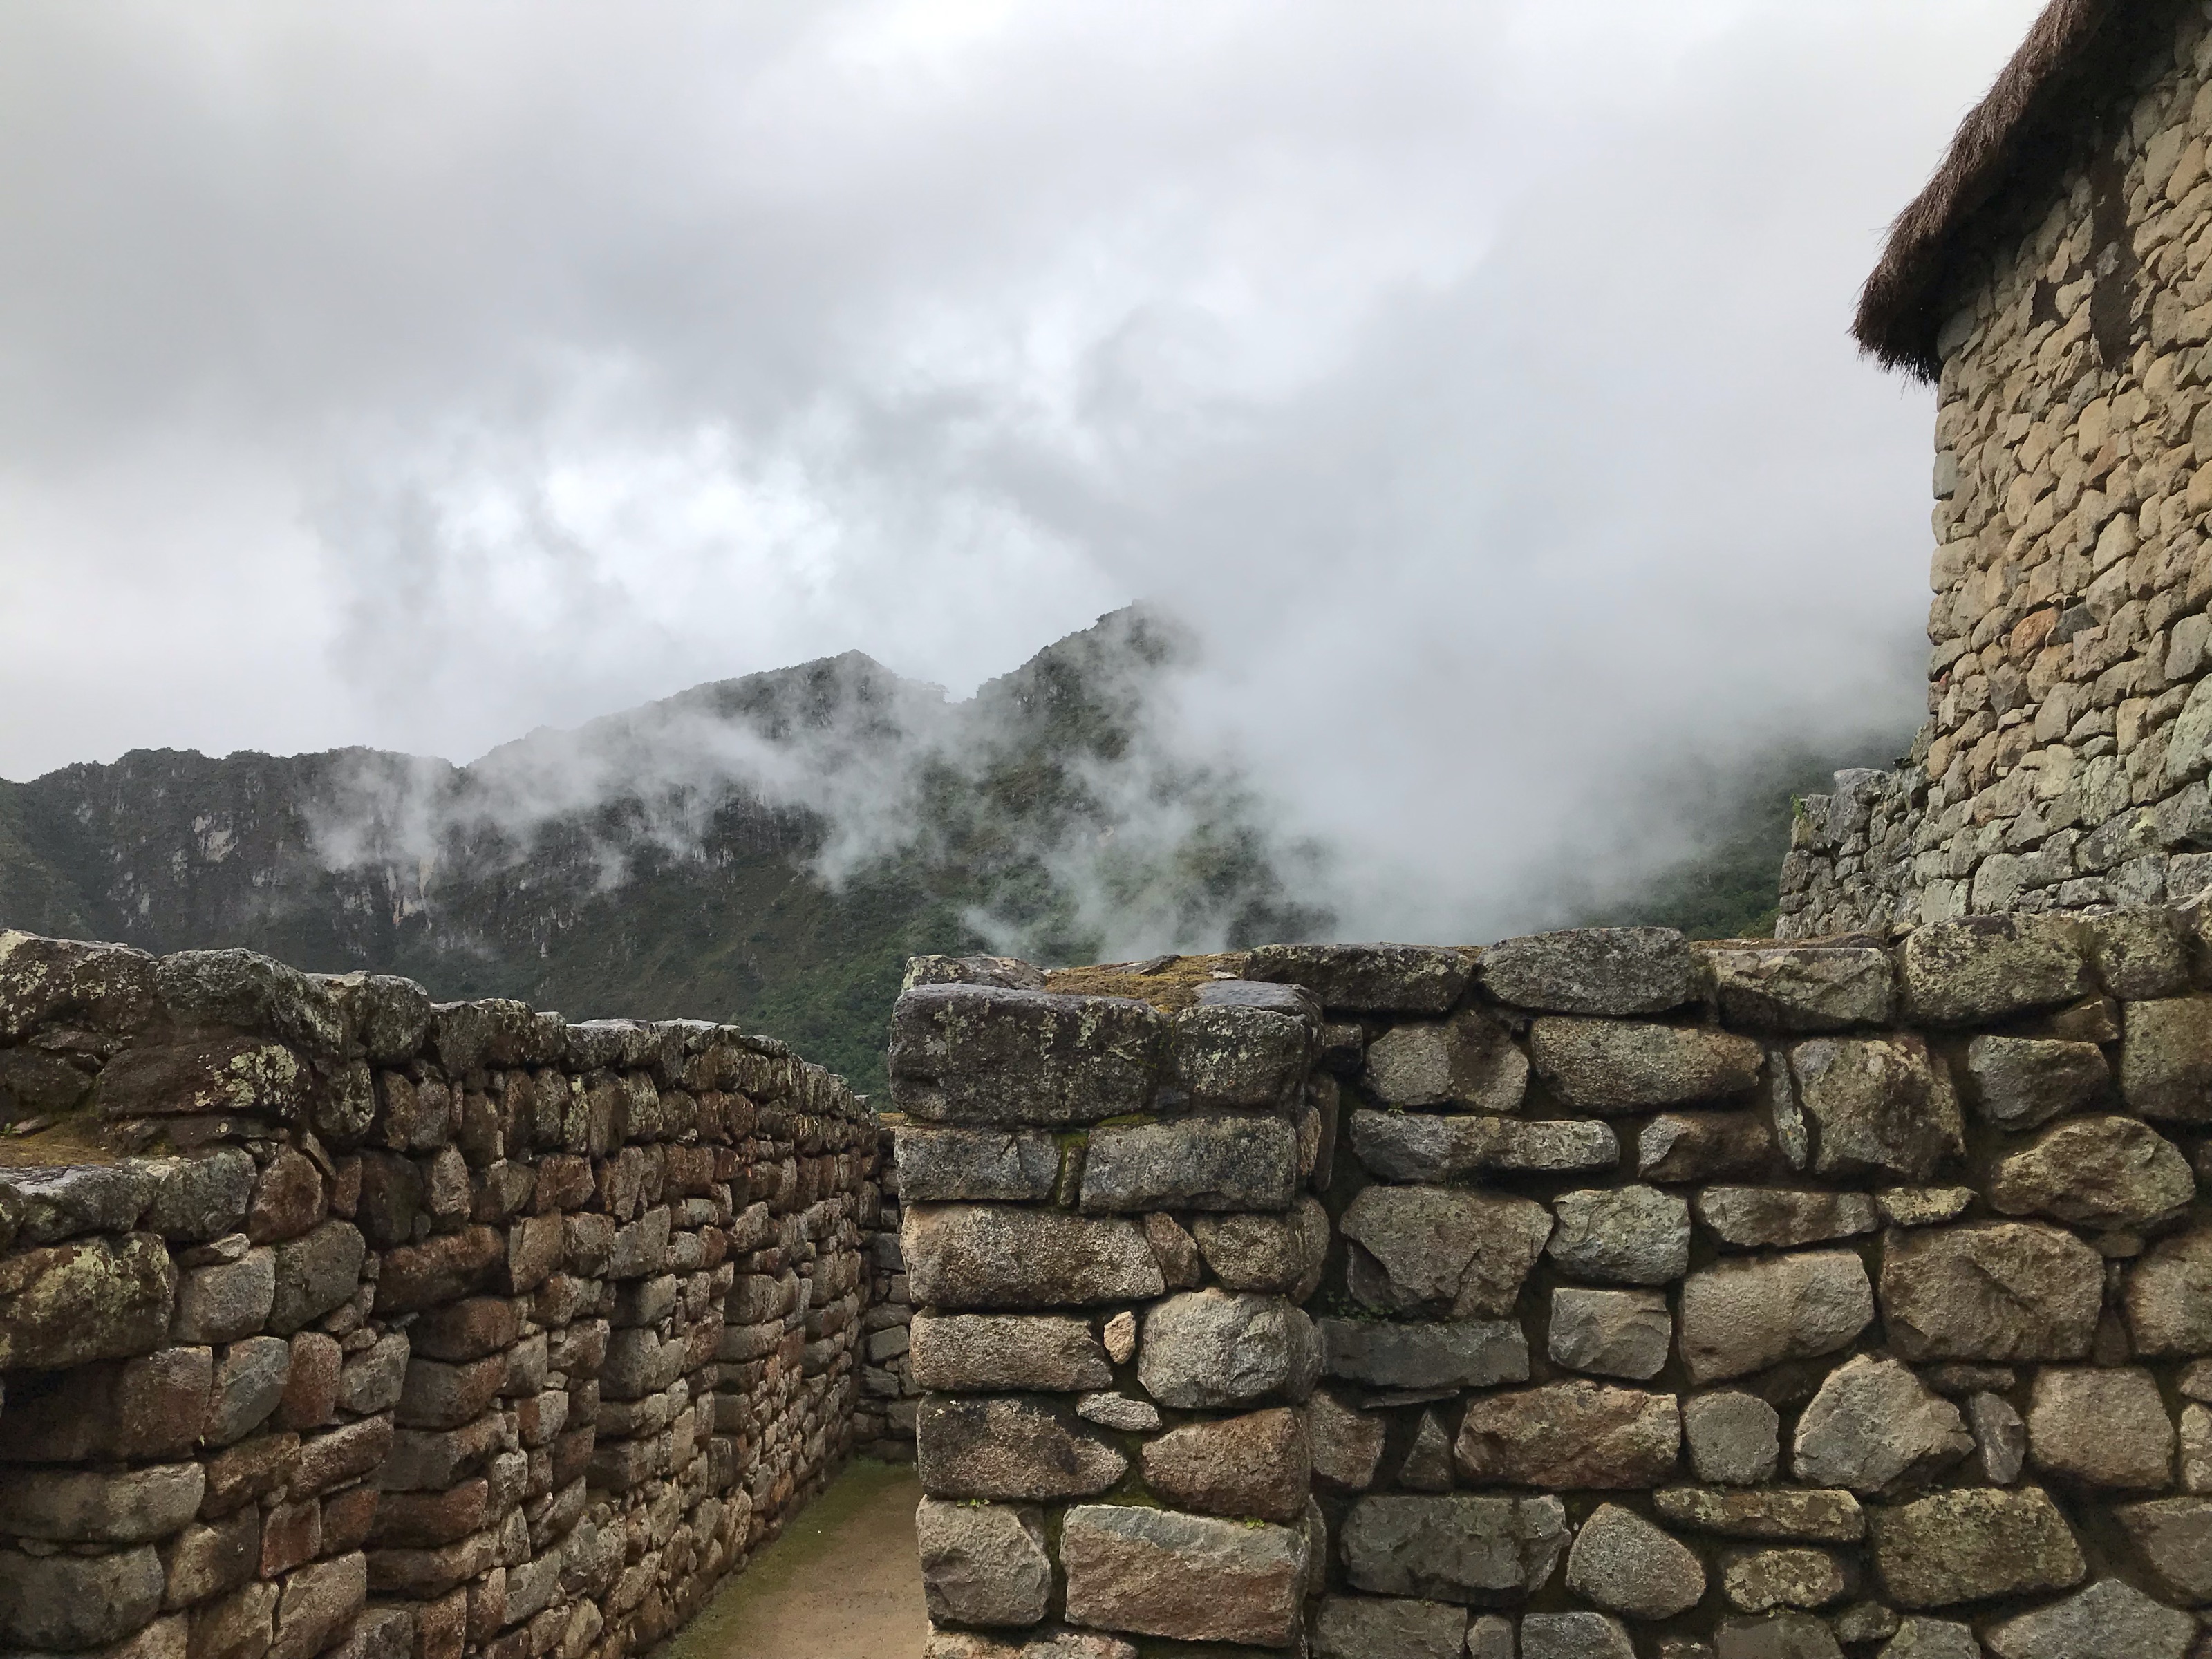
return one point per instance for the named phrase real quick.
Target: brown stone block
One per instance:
(347, 1517)
(240, 1473)
(438, 1395)
(535, 1249)
(441, 1628)
(442, 1269)
(1571, 1435)
(430, 1519)
(240, 1626)
(205, 1560)
(572, 1454)
(288, 1198)
(343, 1455)
(391, 1198)
(468, 1329)
(310, 1390)
(564, 1182)
(291, 1535)
(425, 1575)
(319, 1601)
(487, 1605)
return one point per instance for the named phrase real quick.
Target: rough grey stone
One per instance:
(83, 1506)
(1767, 1217)
(2166, 1059)
(2095, 1172)
(2106, 1427)
(2108, 1621)
(1281, 1254)
(1432, 1147)
(966, 1053)
(1579, 1635)
(1467, 1353)
(1459, 1548)
(1979, 969)
(1625, 1066)
(249, 1380)
(2138, 953)
(1872, 1425)
(225, 1301)
(1803, 987)
(243, 991)
(1932, 1638)
(1626, 1565)
(54, 1204)
(1010, 1447)
(1427, 1465)
(1369, 979)
(1594, 970)
(47, 983)
(2000, 1437)
(89, 1298)
(1008, 973)
(1439, 1251)
(2169, 1296)
(1997, 1290)
(1611, 1333)
(1155, 1572)
(1118, 1410)
(1624, 1235)
(1761, 1581)
(373, 1378)
(1778, 1635)
(1211, 1348)
(981, 1353)
(1490, 1636)
(994, 1256)
(937, 1164)
(390, 1016)
(1740, 1316)
(1971, 1544)
(1469, 1060)
(2174, 1536)
(314, 1273)
(1253, 1465)
(1734, 1439)
(1780, 1513)
(70, 1602)
(983, 1564)
(1203, 1162)
(1572, 1435)
(1923, 1206)
(1697, 1146)
(1346, 1445)
(199, 1199)
(1387, 1627)
(1876, 1106)
(2020, 1082)
(1239, 1054)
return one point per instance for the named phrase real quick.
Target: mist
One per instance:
(1470, 380)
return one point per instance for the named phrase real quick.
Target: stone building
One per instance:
(2054, 281)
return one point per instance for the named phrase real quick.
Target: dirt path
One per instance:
(843, 1582)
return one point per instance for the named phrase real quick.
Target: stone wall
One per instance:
(2069, 721)
(1589, 1296)
(409, 1332)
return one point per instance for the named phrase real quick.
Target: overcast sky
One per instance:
(1473, 375)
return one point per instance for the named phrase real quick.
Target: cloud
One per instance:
(1471, 378)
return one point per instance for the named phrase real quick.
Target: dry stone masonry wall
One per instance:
(1591, 1295)
(2062, 764)
(422, 1332)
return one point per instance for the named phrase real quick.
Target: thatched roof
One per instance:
(2031, 125)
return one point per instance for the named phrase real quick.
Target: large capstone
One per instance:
(972, 1054)
(1980, 969)
(1594, 970)
(1803, 987)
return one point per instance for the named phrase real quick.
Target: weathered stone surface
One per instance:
(48, 982)
(91, 1299)
(319, 1599)
(2174, 1536)
(1438, 1251)
(1626, 1565)
(1423, 1147)
(1778, 1635)
(1570, 1435)
(2000, 1437)
(2020, 1082)
(1579, 1635)
(965, 1054)
(1979, 969)
(1923, 1206)
(1623, 1235)
(1623, 1065)
(1202, 1162)
(1468, 1353)
(1770, 1217)
(1257, 1464)
(1427, 1464)
(1697, 1146)
(1610, 1332)
(82, 1506)
(1282, 1254)
(1242, 1055)
(215, 1074)
(1118, 1410)
(1387, 1627)
(1346, 1445)
(1211, 1348)
(314, 1273)
(2108, 1621)
(2169, 1296)
(371, 1379)
(990, 1256)
(983, 1564)
(1932, 1638)
(74, 1601)
(1459, 1548)
(50, 1204)
(981, 1353)
(1469, 1060)
(1734, 1439)
(1369, 979)
(249, 1380)
(1008, 973)
(1973, 1543)
(2166, 1059)
(201, 1198)
(1875, 1106)
(2104, 1427)
(1156, 1573)
(2095, 1172)
(1764, 1580)
(1803, 987)
(1009, 1447)
(1873, 1425)
(1819, 1517)
(1742, 1316)
(226, 1301)
(936, 1164)
(1594, 970)
(2000, 1291)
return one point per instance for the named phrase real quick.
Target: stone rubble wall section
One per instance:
(1590, 1295)
(431, 1332)
(2062, 764)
